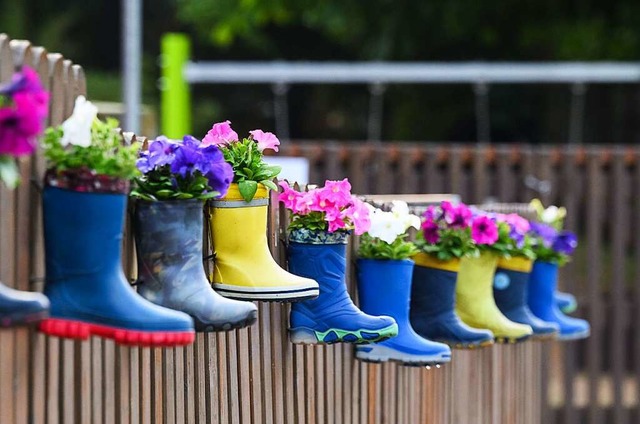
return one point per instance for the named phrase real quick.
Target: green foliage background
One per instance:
(402, 30)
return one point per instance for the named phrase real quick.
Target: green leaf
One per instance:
(9, 172)
(270, 184)
(248, 172)
(248, 189)
(185, 196)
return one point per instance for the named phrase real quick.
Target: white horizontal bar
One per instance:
(395, 72)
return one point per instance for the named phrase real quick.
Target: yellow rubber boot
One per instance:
(475, 303)
(244, 267)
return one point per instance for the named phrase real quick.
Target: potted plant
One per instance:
(244, 267)
(24, 106)
(321, 220)
(511, 281)
(553, 248)
(474, 294)
(84, 199)
(444, 239)
(384, 271)
(178, 176)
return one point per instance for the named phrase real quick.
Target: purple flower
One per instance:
(545, 232)
(457, 216)
(19, 126)
(566, 242)
(517, 237)
(219, 172)
(430, 230)
(161, 152)
(26, 80)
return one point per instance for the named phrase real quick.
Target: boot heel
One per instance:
(65, 328)
(303, 336)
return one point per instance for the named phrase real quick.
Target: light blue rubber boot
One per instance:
(542, 286)
(331, 317)
(384, 287)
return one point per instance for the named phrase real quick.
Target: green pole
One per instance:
(174, 90)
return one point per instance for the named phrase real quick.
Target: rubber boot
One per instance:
(433, 294)
(85, 283)
(510, 289)
(544, 279)
(566, 302)
(475, 303)
(331, 317)
(384, 287)
(244, 268)
(171, 274)
(21, 307)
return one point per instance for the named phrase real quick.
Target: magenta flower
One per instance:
(220, 134)
(457, 216)
(484, 230)
(289, 197)
(266, 140)
(431, 214)
(430, 231)
(20, 125)
(338, 192)
(359, 215)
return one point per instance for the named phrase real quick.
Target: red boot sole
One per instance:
(82, 331)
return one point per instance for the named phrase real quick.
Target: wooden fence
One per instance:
(256, 376)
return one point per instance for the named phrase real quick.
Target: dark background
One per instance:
(88, 32)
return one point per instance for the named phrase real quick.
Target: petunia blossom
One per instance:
(337, 192)
(359, 216)
(430, 231)
(545, 232)
(221, 133)
(484, 230)
(265, 140)
(457, 216)
(289, 196)
(566, 243)
(77, 128)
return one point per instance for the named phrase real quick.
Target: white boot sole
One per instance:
(384, 354)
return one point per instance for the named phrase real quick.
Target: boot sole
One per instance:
(19, 319)
(544, 337)
(512, 340)
(380, 354)
(467, 346)
(81, 330)
(276, 294)
(202, 327)
(308, 336)
(574, 336)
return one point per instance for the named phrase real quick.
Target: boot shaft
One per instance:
(384, 288)
(542, 285)
(510, 286)
(432, 292)
(168, 236)
(82, 233)
(324, 263)
(475, 277)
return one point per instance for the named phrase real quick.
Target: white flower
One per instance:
(77, 128)
(549, 215)
(385, 226)
(401, 211)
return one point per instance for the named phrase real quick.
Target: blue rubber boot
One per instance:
(384, 287)
(566, 302)
(21, 307)
(331, 317)
(85, 283)
(433, 298)
(542, 286)
(510, 290)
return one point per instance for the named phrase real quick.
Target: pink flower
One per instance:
(518, 223)
(358, 214)
(430, 231)
(220, 134)
(304, 202)
(289, 196)
(266, 140)
(456, 216)
(484, 230)
(431, 214)
(320, 202)
(21, 124)
(338, 192)
(335, 218)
